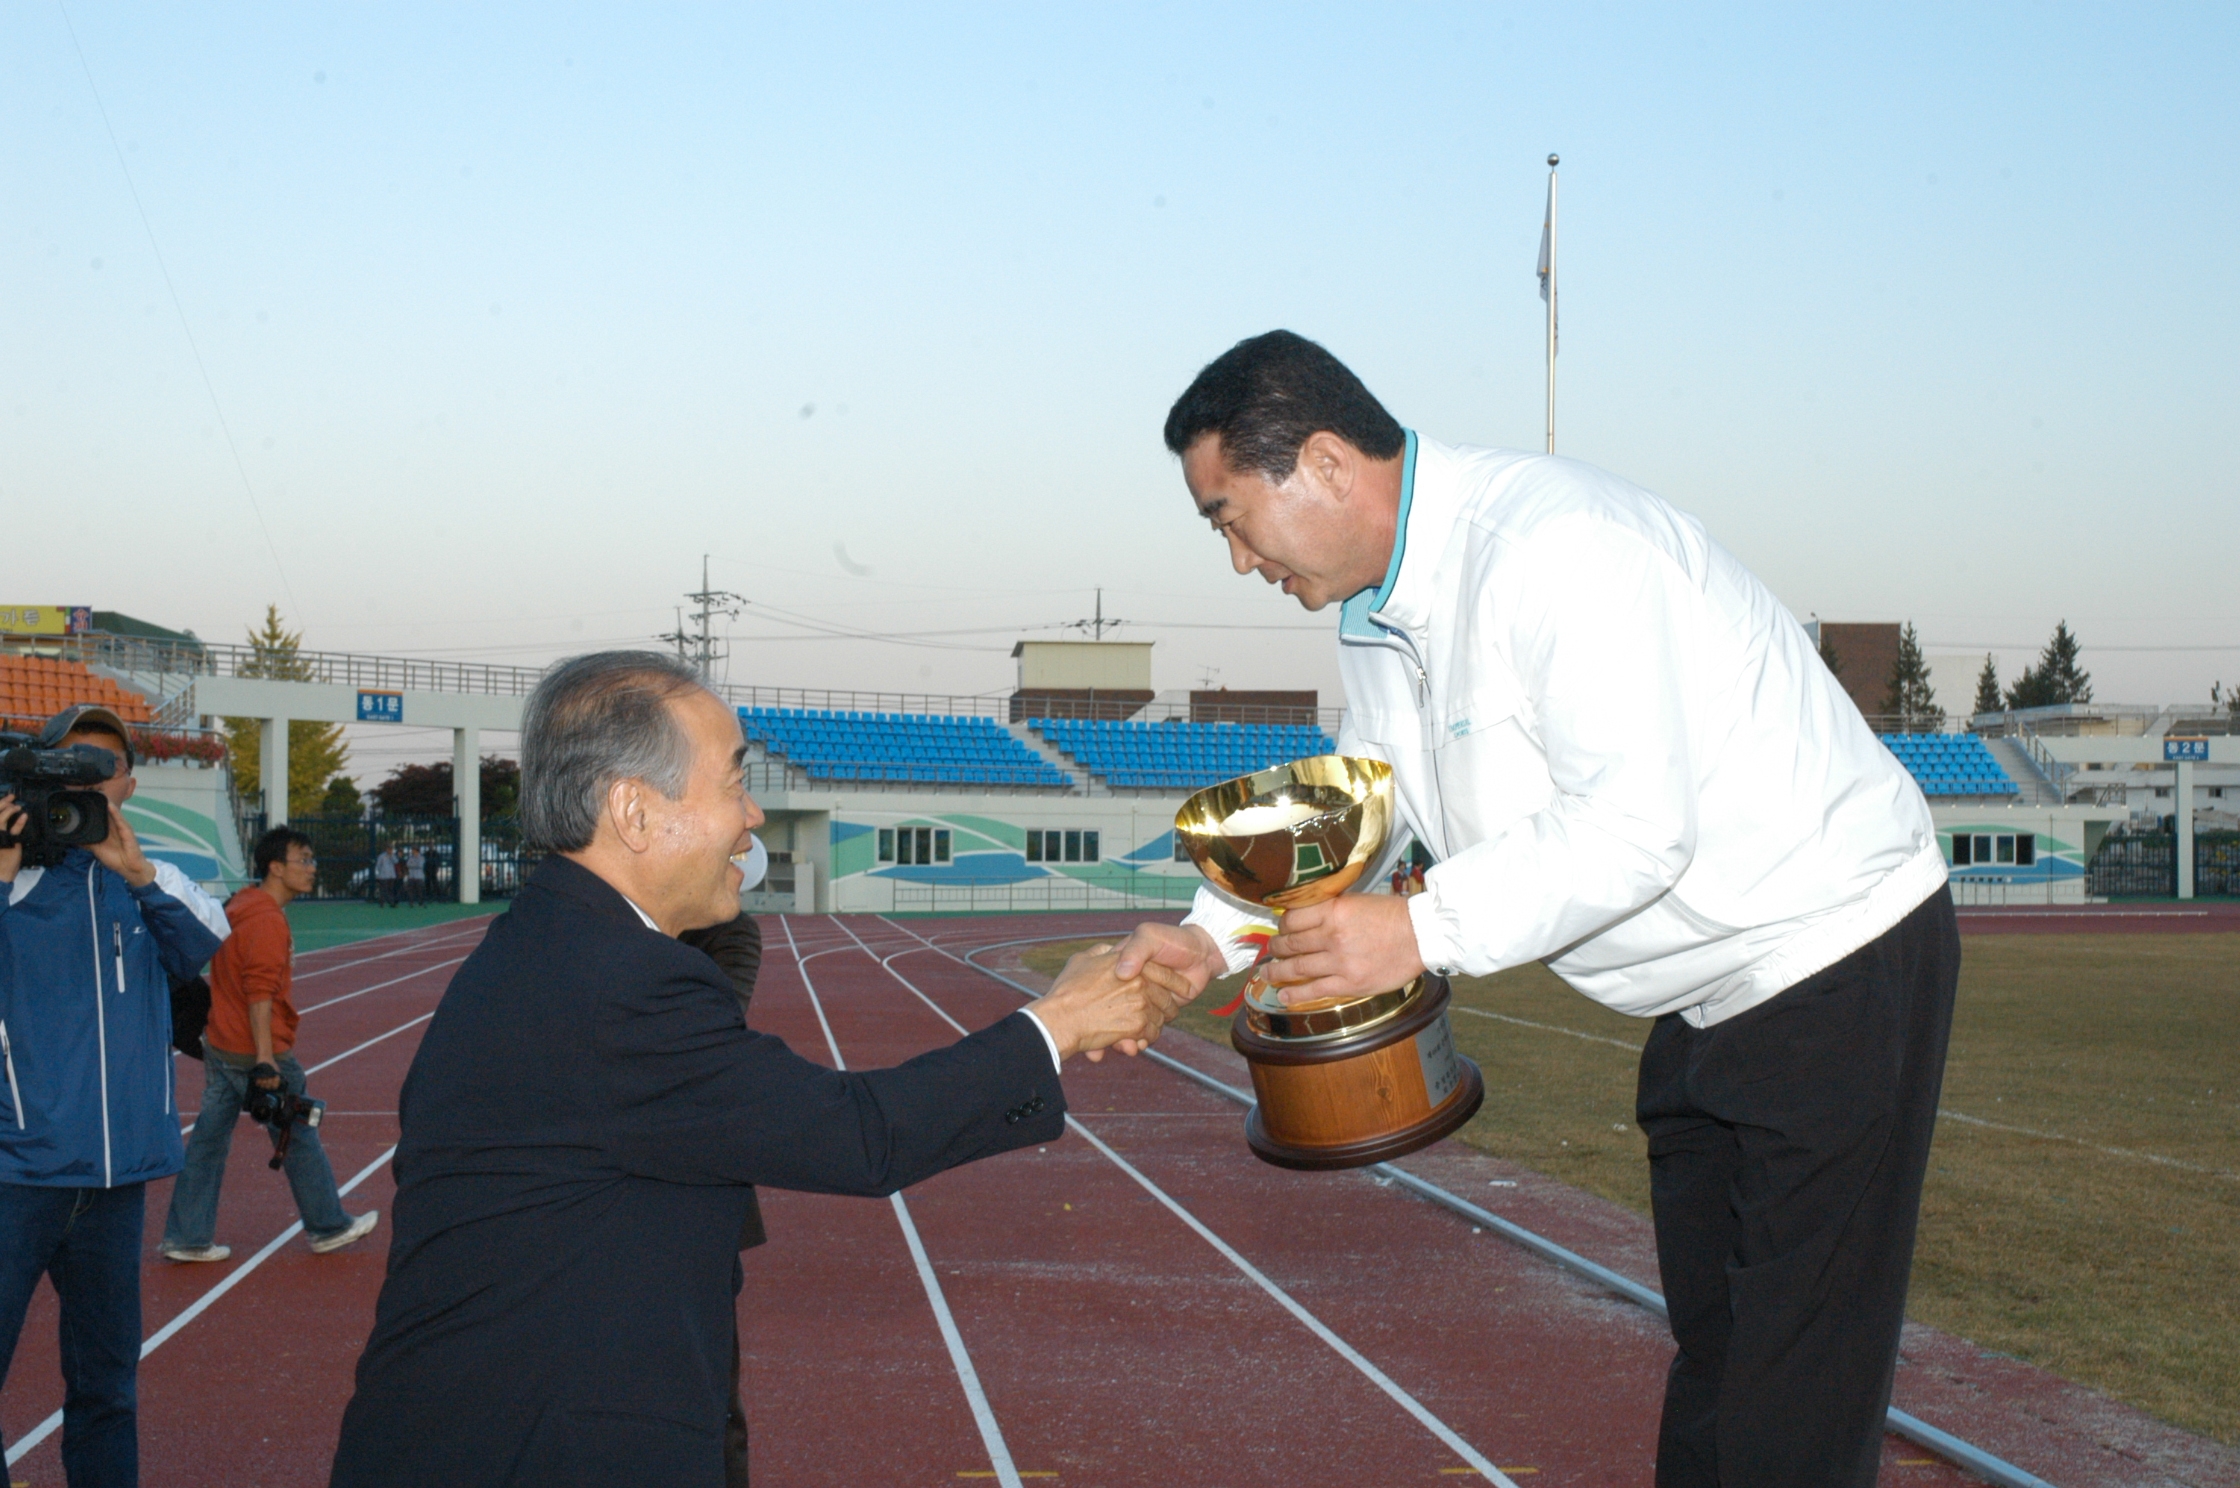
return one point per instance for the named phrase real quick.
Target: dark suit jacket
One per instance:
(579, 1129)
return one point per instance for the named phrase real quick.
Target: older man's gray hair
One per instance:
(594, 720)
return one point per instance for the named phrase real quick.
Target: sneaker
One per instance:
(195, 1252)
(357, 1230)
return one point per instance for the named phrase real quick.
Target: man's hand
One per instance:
(1188, 949)
(1350, 946)
(120, 852)
(265, 1075)
(11, 822)
(1092, 1007)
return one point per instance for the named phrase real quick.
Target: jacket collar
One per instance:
(565, 878)
(1356, 617)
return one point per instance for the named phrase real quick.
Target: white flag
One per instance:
(1547, 254)
(1547, 225)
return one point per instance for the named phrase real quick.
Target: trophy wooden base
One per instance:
(1361, 1098)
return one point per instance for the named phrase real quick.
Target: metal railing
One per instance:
(1135, 891)
(171, 666)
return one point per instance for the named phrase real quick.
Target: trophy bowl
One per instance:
(1343, 1081)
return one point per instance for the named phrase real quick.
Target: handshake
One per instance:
(1092, 1007)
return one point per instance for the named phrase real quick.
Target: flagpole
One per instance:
(1551, 298)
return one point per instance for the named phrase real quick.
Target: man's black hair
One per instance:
(1267, 395)
(272, 848)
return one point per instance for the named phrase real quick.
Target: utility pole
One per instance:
(697, 643)
(1097, 625)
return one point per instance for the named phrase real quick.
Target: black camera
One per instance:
(49, 786)
(281, 1110)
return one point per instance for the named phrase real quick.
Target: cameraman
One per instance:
(91, 1114)
(249, 1043)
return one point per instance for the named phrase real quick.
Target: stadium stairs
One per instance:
(2038, 789)
(1084, 782)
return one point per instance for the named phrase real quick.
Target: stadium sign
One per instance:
(45, 620)
(2190, 751)
(380, 707)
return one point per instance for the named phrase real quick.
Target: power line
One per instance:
(180, 310)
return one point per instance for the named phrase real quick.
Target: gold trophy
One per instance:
(1342, 1081)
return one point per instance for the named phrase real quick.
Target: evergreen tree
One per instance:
(316, 752)
(2056, 678)
(1987, 686)
(1911, 698)
(1828, 657)
(2068, 682)
(342, 798)
(2227, 698)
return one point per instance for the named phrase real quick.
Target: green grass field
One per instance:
(2082, 1209)
(319, 923)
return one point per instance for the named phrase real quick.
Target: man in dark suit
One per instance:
(588, 1109)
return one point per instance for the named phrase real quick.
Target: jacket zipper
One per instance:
(116, 936)
(101, 1034)
(15, 1091)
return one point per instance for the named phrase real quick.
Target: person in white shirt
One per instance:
(1630, 764)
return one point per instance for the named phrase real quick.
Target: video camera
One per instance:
(280, 1109)
(49, 785)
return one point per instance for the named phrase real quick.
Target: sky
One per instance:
(467, 332)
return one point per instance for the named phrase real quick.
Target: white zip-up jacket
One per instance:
(1625, 755)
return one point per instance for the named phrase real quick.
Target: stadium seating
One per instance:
(1951, 765)
(1179, 756)
(900, 748)
(35, 688)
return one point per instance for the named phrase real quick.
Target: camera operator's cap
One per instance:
(69, 720)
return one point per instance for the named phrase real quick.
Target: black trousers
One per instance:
(1786, 1152)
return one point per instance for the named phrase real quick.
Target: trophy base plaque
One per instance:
(1346, 1085)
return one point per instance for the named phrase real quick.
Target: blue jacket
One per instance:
(85, 1020)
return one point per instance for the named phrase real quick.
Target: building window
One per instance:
(2019, 849)
(914, 845)
(1064, 847)
(2025, 849)
(1182, 849)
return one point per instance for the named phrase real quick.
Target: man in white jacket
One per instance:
(1629, 763)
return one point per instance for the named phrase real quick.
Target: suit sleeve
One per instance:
(701, 1099)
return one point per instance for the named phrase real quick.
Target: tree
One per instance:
(316, 752)
(1987, 687)
(426, 790)
(342, 798)
(2227, 698)
(1912, 698)
(1828, 657)
(2056, 678)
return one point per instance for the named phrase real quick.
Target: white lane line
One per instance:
(1252, 1273)
(983, 1414)
(1592, 1038)
(200, 1305)
(1313, 1324)
(377, 986)
(369, 1043)
(433, 943)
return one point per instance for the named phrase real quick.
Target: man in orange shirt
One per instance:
(248, 1041)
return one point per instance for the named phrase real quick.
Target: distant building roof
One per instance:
(110, 622)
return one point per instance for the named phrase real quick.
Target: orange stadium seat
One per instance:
(35, 688)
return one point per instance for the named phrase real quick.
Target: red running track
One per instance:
(1140, 1302)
